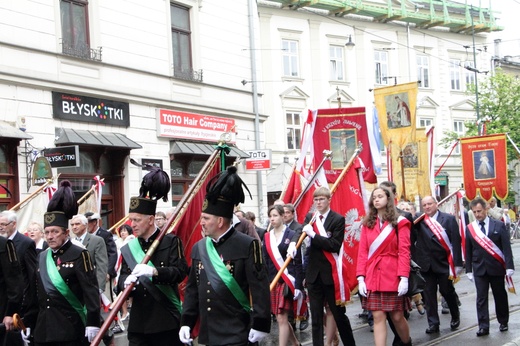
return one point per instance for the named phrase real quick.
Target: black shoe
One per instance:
(432, 329)
(304, 324)
(482, 332)
(445, 311)
(503, 327)
(117, 329)
(454, 324)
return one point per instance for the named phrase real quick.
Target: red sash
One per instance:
(442, 237)
(338, 265)
(491, 248)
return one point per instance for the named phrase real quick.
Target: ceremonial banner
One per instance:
(416, 164)
(484, 165)
(396, 110)
(339, 130)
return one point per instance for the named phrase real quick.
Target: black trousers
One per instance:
(430, 296)
(168, 338)
(482, 284)
(319, 293)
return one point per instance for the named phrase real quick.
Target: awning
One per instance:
(193, 148)
(96, 138)
(8, 131)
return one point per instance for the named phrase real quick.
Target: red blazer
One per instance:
(382, 272)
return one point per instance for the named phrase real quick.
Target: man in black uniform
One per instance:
(68, 293)
(11, 285)
(156, 307)
(227, 269)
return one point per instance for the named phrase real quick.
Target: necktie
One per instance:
(482, 227)
(321, 217)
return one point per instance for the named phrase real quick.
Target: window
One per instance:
(293, 130)
(469, 75)
(290, 58)
(74, 28)
(423, 71)
(381, 66)
(336, 63)
(458, 128)
(181, 43)
(425, 122)
(455, 74)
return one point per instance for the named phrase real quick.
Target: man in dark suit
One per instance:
(488, 269)
(26, 251)
(435, 239)
(320, 282)
(289, 217)
(93, 228)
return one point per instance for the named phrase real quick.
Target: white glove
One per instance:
(297, 294)
(256, 335)
(458, 271)
(510, 272)
(362, 287)
(470, 276)
(402, 289)
(291, 250)
(26, 335)
(143, 270)
(91, 332)
(307, 241)
(309, 230)
(184, 335)
(130, 279)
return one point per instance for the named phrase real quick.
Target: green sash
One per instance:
(62, 287)
(225, 275)
(138, 254)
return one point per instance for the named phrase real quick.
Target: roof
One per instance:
(94, 138)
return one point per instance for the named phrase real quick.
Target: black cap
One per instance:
(62, 206)
(55, 218)
(142, 205)
(155, 185)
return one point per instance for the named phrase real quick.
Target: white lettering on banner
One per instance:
(88, 110)
(213, 125)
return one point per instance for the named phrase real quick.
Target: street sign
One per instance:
(258, 160)
(63, 156)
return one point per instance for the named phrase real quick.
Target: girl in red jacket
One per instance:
(383, 265)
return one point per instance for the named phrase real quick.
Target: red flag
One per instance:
(294, 188)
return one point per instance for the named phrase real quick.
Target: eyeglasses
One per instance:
(321, 199)
(159, 218)
(5, 224)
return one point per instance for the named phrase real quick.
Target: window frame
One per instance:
(336, 61)
(293, 130)
(460, 132)
(423, 70)
(290, 57)
(455, 75)
(180, 66)
(69, 43)
(381, 67)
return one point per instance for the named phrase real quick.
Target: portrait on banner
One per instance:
(342, 144)
(398, 111)
(484, 164)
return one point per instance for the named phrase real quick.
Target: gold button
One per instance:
(207, 291)
(209, 309)
(208, 300)
(209, 283)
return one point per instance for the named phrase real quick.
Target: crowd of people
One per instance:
(57, 275)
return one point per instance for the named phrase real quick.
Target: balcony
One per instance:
(188, 74)
(82, 51)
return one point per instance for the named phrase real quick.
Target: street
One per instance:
(465, 335)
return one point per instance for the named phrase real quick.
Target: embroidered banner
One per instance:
(484, 165)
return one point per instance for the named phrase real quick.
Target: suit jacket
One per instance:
(111, 250)
(317, 264)
(479, 261)
(11, 279)
(98, 253)
(26, 251)
(429, 252)
(294, 225)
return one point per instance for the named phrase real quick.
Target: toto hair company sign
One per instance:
(175, 124)
(90, 109)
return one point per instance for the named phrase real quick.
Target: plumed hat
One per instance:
(62, 206)
(223, 193)
(155, 185)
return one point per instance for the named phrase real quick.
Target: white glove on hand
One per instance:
(362, 287)
(458, 271)
(91, 332)
(256, 335)
(184, 335)
(309, 230)
(307, 241)
(26, 335)
(130, 280)
(402, 289)
(143, 270)
(291, 250)
(510, 272)
(297, 294)
(470, 276)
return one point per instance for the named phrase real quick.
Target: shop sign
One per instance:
(63, 156)
(182, 125)
(41, 171)
(90, 109)
(258, 160)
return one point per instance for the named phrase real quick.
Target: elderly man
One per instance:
(495, 211)
(156, 308)
(94, 228)
(439, 254)
(489, 255)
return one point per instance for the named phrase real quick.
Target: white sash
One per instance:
(277, 259)
(380, 239)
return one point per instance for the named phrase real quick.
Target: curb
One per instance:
(515, 342)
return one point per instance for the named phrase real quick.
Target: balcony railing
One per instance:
(188, 74)
(82, 51)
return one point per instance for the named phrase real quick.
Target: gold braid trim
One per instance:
(11, 252)
(86, 261)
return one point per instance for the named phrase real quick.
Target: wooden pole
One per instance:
(19, 205)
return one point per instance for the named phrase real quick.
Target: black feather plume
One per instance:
(228, 186)
(64, 200)
(155, 185)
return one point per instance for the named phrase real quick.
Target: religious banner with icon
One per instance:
(484, 165)
(396, 110)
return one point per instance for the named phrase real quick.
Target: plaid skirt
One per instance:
(385, 301)
(278, 301)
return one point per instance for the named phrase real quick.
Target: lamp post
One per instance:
(477, 109)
